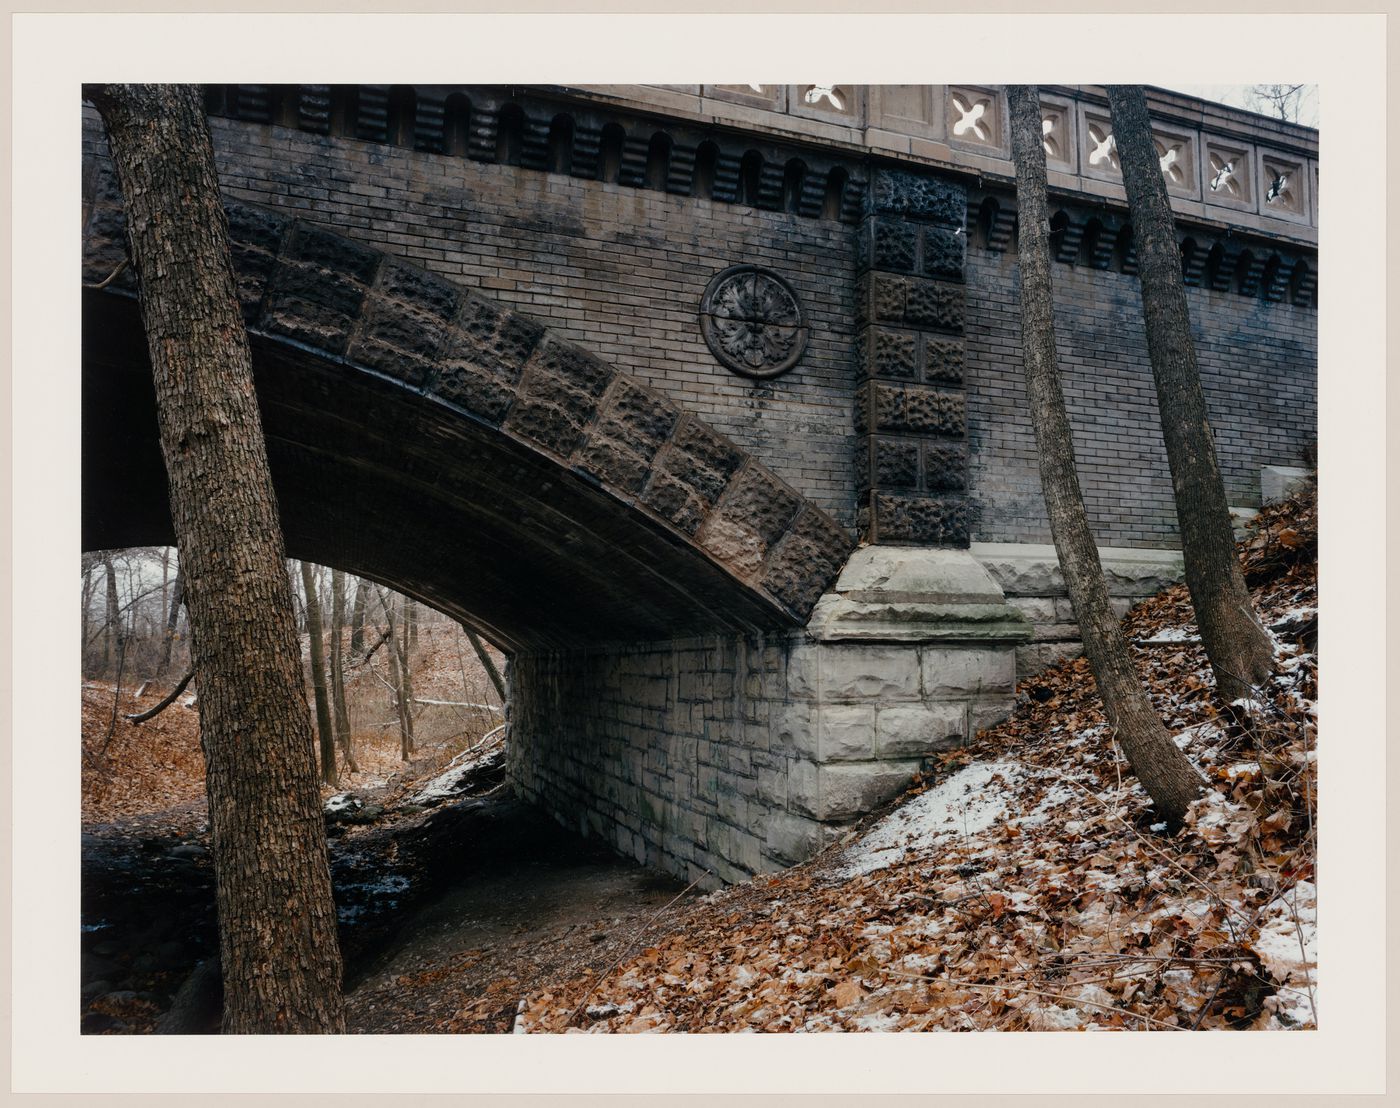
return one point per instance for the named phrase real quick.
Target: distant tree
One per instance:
(398, 674)
(1240, 651)
(1281, 101)
(357, 618)
(318, 676)
(1165, 772)
(338, 705)
(279, 950)
(172, 621)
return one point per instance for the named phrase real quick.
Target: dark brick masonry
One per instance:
(353, 307)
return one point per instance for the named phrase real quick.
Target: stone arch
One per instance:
(425, 436)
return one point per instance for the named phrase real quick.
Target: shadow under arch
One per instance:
(430, 439)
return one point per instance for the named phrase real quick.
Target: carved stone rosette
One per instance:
(753, 322)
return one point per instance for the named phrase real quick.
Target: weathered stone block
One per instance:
(701, 460)
(638, 417)
(575, 367)
(896, 464)
(987, 712)
(398, 340)
(912, 731)
(894, 354)
(425, 292)
(935, 304)
(860, 671)
(893, 244)
(921, 519)
(550, 426)
(760, 502)
(967, 671)
(943, 359)
(945, 467)
(474, 388)
(846, 733)
(789, 838)
(886, 298)
(803, 674)
(675, 502)
(945, 252)
(490, 336)
(331, 252)
(919, 196)
(853, 789)
(614, 465)
(257, 228)
(805, 560)
(919, 409)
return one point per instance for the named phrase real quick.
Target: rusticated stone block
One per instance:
(893, 354)
(754, 513)
(256, 228)
(492, 337)
(474, 388)
(418, 289)
(761, 502)
(934, 304)
(575, 367)
(895, 464)
(933, 412)
(638, 417)
(555, 428)
(861, 410)
(918, 409)
(940, 521)
(880, 298)
(846, 733)
(945, 467)
(313, 305)
(805, 560)
(943, 360)
(321, 248)
(918, 196)
(674, 501)
(945, 253)
(701, 460)
(614, 465)
(893, 245)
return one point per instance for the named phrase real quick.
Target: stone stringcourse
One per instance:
(302, 284)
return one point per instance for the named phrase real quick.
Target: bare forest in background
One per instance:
(388, 666)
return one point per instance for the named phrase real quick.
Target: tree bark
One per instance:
(1240, 651)
(342, 712)
(486, 662)
(402, 693)
(324, 726)
(1164, 770)
(112, 637)
(357, 619)
(278, 944)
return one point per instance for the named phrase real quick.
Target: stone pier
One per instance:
(721, 757)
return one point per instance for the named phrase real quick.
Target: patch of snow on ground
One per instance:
(443, 785)
(340, 802)
(1287, 946)
(1170, 635)
(965, 803)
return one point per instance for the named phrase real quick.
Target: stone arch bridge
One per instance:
(705, 403)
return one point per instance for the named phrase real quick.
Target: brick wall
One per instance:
(1258, 366)
(618, 270)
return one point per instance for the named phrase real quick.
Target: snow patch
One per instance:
(964, 804)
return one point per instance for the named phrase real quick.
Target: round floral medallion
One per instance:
(752, 321)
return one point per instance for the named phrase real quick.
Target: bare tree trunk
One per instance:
(410, 624)
(88, 566)
(1164, 770)
(486, 662)
(342, 713)
(398, 674)
(318, 676)
(357, 618)
(173, 619)
(112, 632)
(278, 942)
(1240, 651)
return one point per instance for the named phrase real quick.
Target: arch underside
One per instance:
(385, 475)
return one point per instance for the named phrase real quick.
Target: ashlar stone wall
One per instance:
(717, 758)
